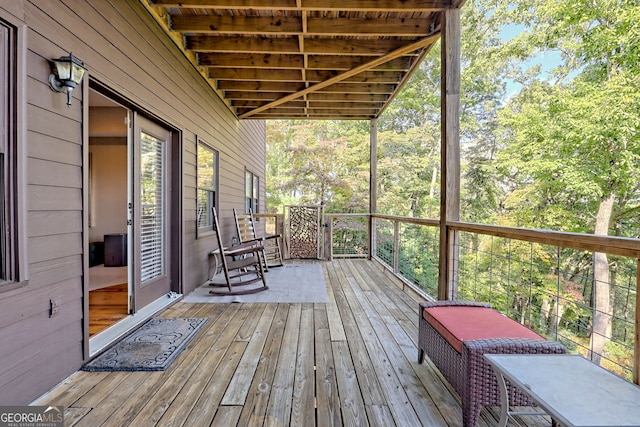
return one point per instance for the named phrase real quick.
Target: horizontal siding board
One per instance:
(49, 148)
(33, 302)
(54, 247)
(53, 271)
(52, 124)
(47, 352)
(45, 172)
(43, 198)
(40, 325)
(46, 223)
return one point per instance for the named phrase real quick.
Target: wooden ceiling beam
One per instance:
(214, 24)
(342, 88)
(240, 60)
(339, 112)
(253, 96)
(238, 44)
(379, 27)
(293, 25)
(260, 86)
(347, 97)
(333, 46)
(313, 46)
(373, 5)
(366, 77)
(255, 103)
(346, 5)
(321, 62)
(364, 67)
(273, 75)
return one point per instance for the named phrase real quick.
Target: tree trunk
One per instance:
(602, 307)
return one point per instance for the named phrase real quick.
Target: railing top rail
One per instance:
(410, 220)
(622, 246)
(340, 215)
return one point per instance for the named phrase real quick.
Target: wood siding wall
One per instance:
(126, 51)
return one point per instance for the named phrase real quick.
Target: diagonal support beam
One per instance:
(357, 70)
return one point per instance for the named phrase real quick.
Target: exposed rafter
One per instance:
(341, 59)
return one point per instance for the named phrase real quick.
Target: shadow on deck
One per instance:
(350, 362)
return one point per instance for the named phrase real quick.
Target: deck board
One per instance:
(350, 362)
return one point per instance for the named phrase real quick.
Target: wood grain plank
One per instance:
(369, 386)
(206, 408)
(71, 389)
(190, 363)
(327, 398)
(279, 407)
(382, 357)
(400, 351)
(351, 403)
(303, 403)
(239, 387)
(255, 406)
(227, 416)
(336, 327)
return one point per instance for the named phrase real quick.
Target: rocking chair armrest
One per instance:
(243, 248)
(255, 239)
(272, 236)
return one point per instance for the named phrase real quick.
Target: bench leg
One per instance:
(420, 355)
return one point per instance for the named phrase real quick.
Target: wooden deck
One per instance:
(351, 362)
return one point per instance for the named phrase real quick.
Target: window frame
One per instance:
(213, 192)
(13, 256)
(251, 191)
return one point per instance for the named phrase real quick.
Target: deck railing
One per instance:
(543, 279)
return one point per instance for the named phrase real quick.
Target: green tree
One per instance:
(573, 140)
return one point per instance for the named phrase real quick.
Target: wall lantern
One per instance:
(67, 74)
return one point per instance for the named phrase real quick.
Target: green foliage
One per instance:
(546, 156)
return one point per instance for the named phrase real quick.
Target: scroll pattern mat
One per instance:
(152, 347)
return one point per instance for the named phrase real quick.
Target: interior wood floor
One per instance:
(351, 362)
(106, 307)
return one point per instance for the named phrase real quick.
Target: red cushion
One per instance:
(459, 323)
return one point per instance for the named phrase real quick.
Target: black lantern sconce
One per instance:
(67, 74)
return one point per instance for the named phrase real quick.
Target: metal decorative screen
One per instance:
(303, 231)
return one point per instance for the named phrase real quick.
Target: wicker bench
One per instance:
(455, 335)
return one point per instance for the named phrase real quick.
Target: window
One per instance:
(11, 239)
(251, 191)
(207, 184)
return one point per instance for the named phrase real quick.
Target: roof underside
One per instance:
(304, 59)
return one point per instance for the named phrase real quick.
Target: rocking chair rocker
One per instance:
(239, 261)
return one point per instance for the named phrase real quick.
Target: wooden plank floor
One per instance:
(107, 306)
(351, 362)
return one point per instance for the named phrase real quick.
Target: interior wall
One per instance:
(108, 192)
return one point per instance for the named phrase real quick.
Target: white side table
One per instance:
(571, 389)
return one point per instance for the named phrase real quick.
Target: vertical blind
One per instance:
(152, 190)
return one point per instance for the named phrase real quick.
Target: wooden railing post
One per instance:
(450, 150)
(373, 179)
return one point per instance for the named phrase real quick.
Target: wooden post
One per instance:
(450, 150)
(373, 181)
(636, 353)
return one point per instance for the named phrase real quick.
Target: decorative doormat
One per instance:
(152, 347)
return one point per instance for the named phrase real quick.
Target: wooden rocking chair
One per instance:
(272, 254)
(243, 260)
